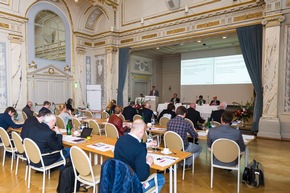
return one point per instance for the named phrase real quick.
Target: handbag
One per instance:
(253, 175)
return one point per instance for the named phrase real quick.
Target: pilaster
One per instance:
(111, 75)
(79, 81)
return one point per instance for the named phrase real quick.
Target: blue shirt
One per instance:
(6, 121)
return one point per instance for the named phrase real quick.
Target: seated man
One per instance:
(6, 119)
(129, 111)
(214, 101)
(200, 100)
(28, 109)
(182, 127)
(130, 150)
(225, 131)
(46, 106)
(146, 113)
(194, 116)
(216, 115)
(175, 100)
(117, 121)
(48, 138)
(169, 112)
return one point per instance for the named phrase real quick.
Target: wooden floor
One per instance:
(274, 155)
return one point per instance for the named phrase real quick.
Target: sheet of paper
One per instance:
(72, 139)
(162, 160)
(102, 146)
(248, 137)
(202, 133)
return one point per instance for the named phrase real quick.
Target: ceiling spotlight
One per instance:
(224, 37)
(198, 41)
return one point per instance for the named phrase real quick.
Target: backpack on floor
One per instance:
(66, 180)
(253, 175)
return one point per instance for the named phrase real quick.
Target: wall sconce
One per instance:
(186, 10)
(169, 88)
(66, 68)
(32, 65)
(142, 20)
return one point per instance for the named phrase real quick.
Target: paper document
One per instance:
(102, 146)
(71, 139)
(162, 160)
(248, 137)
(202, 133)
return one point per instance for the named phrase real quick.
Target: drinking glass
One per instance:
(155, 138)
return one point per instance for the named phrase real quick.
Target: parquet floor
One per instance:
(274, 155)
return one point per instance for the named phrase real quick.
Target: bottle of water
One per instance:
(149, 138)
(152, 120)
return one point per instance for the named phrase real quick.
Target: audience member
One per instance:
(28, 109)
(194, 115)
(154, 92)
(175, 100)
(46, 106)
(129, 111)
(225, 131)
(182, 127)
(64, 113)
(117, 121)
(111, 106)
(146, 113)
(130, 150)
(200, 100)
(169, 112)
(69, 105)
(216, 115)
(30, 122)
(48, 138)
(214, 101)
(6, 119)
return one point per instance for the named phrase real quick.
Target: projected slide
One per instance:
(214, 70)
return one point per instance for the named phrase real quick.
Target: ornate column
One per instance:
(111, 75)
(80, 78)
(17, 73)
(269, 123)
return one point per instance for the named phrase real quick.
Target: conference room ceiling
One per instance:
(196, 44)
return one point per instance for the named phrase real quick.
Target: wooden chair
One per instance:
(111, 131)
(137, 117)
(105, 115)
(215, 124)
(7, 146)
(24, 116)
(34, 156)
(188, 120)
(173, 141)
(163, 121)
(122, 117)
(96, 128)
(226, 151)
(20, 153)
(83, 170)
(89, 114)
(60, 122)
(35, 114)
(76, 123)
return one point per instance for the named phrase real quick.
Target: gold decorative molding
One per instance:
(4, 25)
(111, 3)
(99, 43)
(80, 50)
(88, 44)
(111, 49)
(15, 38)
(273, 20)
(288, 3)
(149, 36)
(174, 31)
(208, 24)
(127, 40)
(5, 2)
(248, 16)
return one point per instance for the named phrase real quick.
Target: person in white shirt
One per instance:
(64, 113)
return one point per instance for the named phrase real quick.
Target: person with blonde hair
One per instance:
(64, 113)
(111, 106)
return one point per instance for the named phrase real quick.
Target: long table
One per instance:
(101, 139)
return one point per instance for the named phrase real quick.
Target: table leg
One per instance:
(246, 155)
(95, 159)
(175, 178)
(170, 179)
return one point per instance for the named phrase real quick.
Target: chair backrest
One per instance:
(144, 139)
(122, 117)
(76, 123)
(88, 114)
(35, 114)
(5, 138)
(137, 117)
(60, 122)
(215, 124)
(163, 121)
(173, 141)
(115, 172)
(225, 150)
(95, 126)
(111, 131)
(24, 115)
(105, 115)
(17, 142)
(188, 120)
(81, 164)
(32, 151)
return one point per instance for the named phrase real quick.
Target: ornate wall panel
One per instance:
(287, 74)
(3, 76)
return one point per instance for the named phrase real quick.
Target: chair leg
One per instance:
(26, 170)
(94, 188)
(12, 160)
(48, 174)
(211, 176)
(192, 163)
(75, 186)
(29, 176)
(43, 182)
(183, 169)
(17, 162)
(238, 190)
(4, 155)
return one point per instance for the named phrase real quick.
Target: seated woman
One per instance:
(118, 122)
(169, 112)
(64, 113)
(69, 105)
(111, 106)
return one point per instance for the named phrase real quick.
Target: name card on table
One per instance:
(102, 146)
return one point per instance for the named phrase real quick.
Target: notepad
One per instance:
(101, 146)
(71, 139)
(161, 160)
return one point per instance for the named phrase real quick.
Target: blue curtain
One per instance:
(250, 38)
(123, 60)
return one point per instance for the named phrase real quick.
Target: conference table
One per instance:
(90, 145)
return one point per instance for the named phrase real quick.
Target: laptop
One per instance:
(86, 132)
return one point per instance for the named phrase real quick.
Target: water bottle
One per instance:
(149, 138)
(152, 120)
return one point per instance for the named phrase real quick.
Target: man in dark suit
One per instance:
(216, 115)
(129, 111)
(200, 100)
(46, 106)
(146, 113)
(48, 138)
(214, 101)
(175, 100)
(28, 109)
(194, 115)
(154, 92)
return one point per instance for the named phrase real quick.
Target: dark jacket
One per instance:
(194, 116)
(216, 115)
(30, 122)
(27, 111)
(166, 111)
(6, 121)
(129, 113)
(147, 114)
(177, 100)
(46, 110)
